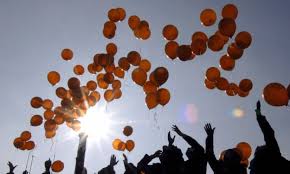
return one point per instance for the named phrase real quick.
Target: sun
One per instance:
(97, 123)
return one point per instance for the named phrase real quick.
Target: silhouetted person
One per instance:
(196, 162)
(47, 166)
(231, 161)
(11, 167)
(110, 168)
(129, 167)
(80, 159)
(267, 158)
(144, 167)
(25, 172)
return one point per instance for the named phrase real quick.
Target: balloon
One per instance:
(130, 145)
(151, 100)
(109, 29)
(91, 85)
(116, 143)
(111, 49)
(109, 78)
(227, 63)
(117, 93)
(73, 83)
(139, 76)
(127, 131)
(144, 33)
(246, 85)
(25, 136)
(59, 119)
(171, 49)
(149, 87)
(48, 114)
(67, 54)
(145, 65)
(18, 143)
(76, 125)
(109, 95)
(288, 90)
(122, 13)
(50, 125)
(207, 17)
(163, 96)
(53, 77)
(92, 68)
(113, 15)
(50, 134)
(276, 94)
(133, 22)
(227, 27)
(116, 84)
(209, 84)
(124, 64)
(212, 74)
(243, 39)
(222, 84)
(102, 84)
(230, 11)
(122, 146)
(245, 163)
(224, 38)
(215, 43)
(104, 60)
(134, 58)
(184, 53)
(170, 32)
(198, 47)
(79, 70)
(47, 104)
(243, 93)
(232, 89)
(61, 92)
(36, 102)
(96, 95)
(245, 149)
(119, 72)
(161, 75)
(199, 35)
(29, 145)
(234, 51)
(57, 166)
(110, 68)
(36, 120)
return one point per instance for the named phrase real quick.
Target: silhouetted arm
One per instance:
(213, 162)
(191, 141)
(129, 167)
(142, 165)
(268, 131)
(110, 168)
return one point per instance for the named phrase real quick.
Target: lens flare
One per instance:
(238, 112)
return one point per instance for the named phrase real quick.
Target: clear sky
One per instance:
(33, 33)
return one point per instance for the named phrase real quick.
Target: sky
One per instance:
(33, 33)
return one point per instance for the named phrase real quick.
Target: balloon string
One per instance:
(27, 160)
(31, 164)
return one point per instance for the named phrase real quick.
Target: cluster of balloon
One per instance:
(128, 145)
(23, 142)
(276, 94)
(140, 28)
(114, 15)
(244, 150)
(213, 79)
(57, 166)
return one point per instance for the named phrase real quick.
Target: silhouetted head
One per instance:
(171, 155)
(193, 154)
(231, 157)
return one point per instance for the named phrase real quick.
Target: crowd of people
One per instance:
(267, 158)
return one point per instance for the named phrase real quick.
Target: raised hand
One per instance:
(170, 139)
(177, 130)
(157, 153)
(208, 129)
(125, 158)
(258, 108)
(113, 161)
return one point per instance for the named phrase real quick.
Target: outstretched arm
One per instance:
(268, 132)
(110, 168)
(213, 162)
(191, 141)
(11, 167)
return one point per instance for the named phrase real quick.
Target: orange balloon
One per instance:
(224, 38)
(25, 136)
(50, 134)
(245, 150)
(109, 78)
(149, 87)
(227, 27)
(151, 100)
(59, 119)
(47, 104)
(212, 74)
(130, 145)
(122, 13)
(184, 53)
(128, 130)
(246, 85)
(208, 17)
(171, 49)
(109, 95)
(92, 68)
(79, 70)
(134, 58)
(124, 64)
(209, 84)
(96, 95)
(29, 145)
(222, 84)
(163, 96)
(243, 93)
(276, 94)
(67, 54)
(110, 68)
(243, 39)
(139, 76)
(116, 143)
(109, 29)
(230, 11)
(119, 72)
(161, 75)
(48, 114)
(91, 85)
(234, 51)
(144, 33)
(117, 93)
(198, 46)
(245, 163)
(116, 84)
(113, 15)
(50, 125)
(76, 125)
(122, 146)
(73, 83)
(232, 90)
(111, 49)
(227, 63)
(102, 84)
(53, 77)
(36, 120)
(145, 65)
(170, 32)
(18, 143)
(215, 43)
(61, 92)
(36, 102)
(57, 166)
(133, 22)
(199, 35)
